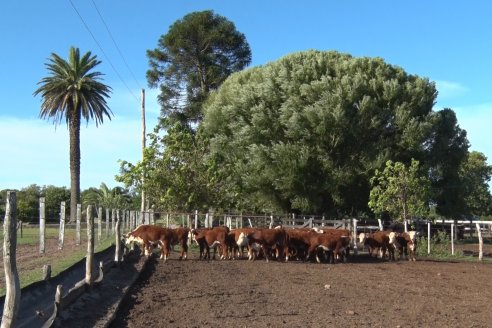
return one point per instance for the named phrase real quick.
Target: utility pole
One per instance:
(142, 207)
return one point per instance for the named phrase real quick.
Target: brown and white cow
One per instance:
(207, 238)
(406, 243)
(268, 239)
(151, 235)
(239, 241)
(381, 241)
(333, 244)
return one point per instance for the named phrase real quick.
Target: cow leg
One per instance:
(165, 250)
(266, 251)
(184, 251)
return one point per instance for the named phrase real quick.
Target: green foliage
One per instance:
(112, 198)
(440, 246)
(28, 203)
(195, 56)
(306, 133)
(475, 175)
(399, 190)
(53, 197)
(73, 91)
(447, 148)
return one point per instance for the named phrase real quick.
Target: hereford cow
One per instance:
(269, 239)
(381, 241)
(406, 243)
(333, 244)
(239, 242)
(207, 238)
(151, 235)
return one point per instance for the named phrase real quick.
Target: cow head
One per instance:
(392, 237)
(362, 237)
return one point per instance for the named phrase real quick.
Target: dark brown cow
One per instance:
(211, 237)
(151, 235)
(268, 239)
(381, 241)
(406, 243)
(333, 244)
(298, 243)
(181, 238)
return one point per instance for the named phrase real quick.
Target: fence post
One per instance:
(196, 219)
(107, 222)
(380, 225)
(42, 225)
(452, 238)
(428, 237)
(118, 243)
(113, 217)
(46, 272)
(99, 222)
(61, 235)
(77, 226)
(480, 242)
(355, 236)
(90, 247)
(12, 284)
(167, 220)
(58, 298)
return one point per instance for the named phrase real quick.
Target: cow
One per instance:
(406, 243)
(239, 241)
(268, 239)
(151, 235)
(299, 242)
(381, 241)
(333, 244)
(208, 238)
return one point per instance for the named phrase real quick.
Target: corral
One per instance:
(362, 293)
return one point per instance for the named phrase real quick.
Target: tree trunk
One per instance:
(74, 132)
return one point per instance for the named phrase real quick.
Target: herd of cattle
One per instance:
(322, 244)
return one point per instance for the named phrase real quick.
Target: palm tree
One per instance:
(117, 197)
(72, 92)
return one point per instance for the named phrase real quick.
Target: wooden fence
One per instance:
(114, 224)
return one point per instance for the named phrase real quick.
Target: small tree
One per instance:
(401, 191)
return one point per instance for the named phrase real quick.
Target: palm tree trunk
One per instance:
(74, 133)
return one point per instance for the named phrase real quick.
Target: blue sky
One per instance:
(447, 41)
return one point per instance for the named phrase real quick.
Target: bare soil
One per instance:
(365, 292)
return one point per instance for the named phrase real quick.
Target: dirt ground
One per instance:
(362, 293)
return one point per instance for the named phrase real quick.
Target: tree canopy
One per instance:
(193, 58)
(401, 191)
(73, 91)
(307, 132)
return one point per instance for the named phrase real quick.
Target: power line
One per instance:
(102, 50)
(116, 45)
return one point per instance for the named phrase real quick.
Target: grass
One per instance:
(30, 269)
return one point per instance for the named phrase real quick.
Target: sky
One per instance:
(448, 42)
